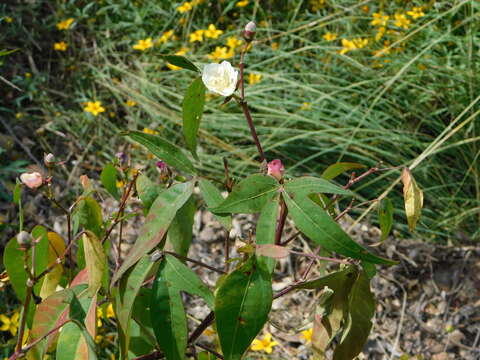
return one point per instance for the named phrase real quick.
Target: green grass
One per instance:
(418, 110)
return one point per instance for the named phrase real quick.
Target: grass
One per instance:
(416, 106)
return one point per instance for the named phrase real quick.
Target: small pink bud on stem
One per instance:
(32, 180)
(249, 31)
(49, 160)
(275, 168)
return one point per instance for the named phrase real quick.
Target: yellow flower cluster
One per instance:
(242, 3)
(354, 44)
(266, 344)
(225, 52)
(254, 78)
(165, 37)
(110, 313)
(329, 36)
(188, 5)
(60, 46)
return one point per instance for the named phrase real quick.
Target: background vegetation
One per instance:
(330, 81)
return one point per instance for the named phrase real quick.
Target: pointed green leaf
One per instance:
(306, 185)
(361, 307)
(242, 304)
(192, 108)
(413, 198)
(339, 168)
(72, 344)
(168, 316)
(163, 150)
(249, 195)
(180, 61)
(125, 297)
(314, 222)
(89, 215)
(181, 230)
(159, 218)
(385, 217)
(108, 177)
(266, 228)
(213, 197)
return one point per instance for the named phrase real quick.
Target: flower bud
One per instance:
(24, 239)
(122, 157)
(32, 180)
(49, 160)
(275, 168)
(249, 31)
(163, 170)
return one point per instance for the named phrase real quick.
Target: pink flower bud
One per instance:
(49, 160)
(32, 180)
(275, 169)
(249, 31)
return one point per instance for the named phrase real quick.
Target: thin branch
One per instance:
(199, 263)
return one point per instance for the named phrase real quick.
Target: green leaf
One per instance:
(306, 185)
(413, 198)
(72, 344)
(361, 307)
(96, 261)
(145, 341)
(192, 108)
(108, 177)
(249, 195)
(266, 229)
(385, 217)
(180, 61)
(17, 193)
(125, 297)
(159, 218)
(180, 232)
(339, 168)
(335, 308)
(147, 191)
(89, 215)
(213, 197)
(242, 303)
(166, 308)
(163, 150)
(314, 222)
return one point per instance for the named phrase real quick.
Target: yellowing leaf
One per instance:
(413, 198)
(56, 247)
(95, 260)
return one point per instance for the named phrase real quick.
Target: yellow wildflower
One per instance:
(365, 8)
(8, 19)
(197, 2)
(221, 52)
(329, 36)
(242, 3)
(182, 21)
(197, 36)
(10, 324)
(130, 103)
(266, 344)
(110, 312)
(65, 24)
(119, 184)
(305, 106)
(233, 42)
(213, 32)
(60, 46)
(28, 75)
(149, 131)
(354, 44)
(416, 12)
(180, 52)
(421, 67)
(274, 46)
(380, 33)
(254, 78)
(402, 21)
(185, 7)
(165, 36)
(316, 4)
(143, 45)
(379, 19)
(112, 114)
(94, 107)
(98, 338)
(307, 335)
(19, 115)
(209, 332)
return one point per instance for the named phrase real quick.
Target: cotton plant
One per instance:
(144, 288)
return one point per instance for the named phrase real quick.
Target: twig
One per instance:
(209, 319)
(316, 257)
(199, 263)
(227, 251)
(152, 356)
(213, 352)
(281, 222)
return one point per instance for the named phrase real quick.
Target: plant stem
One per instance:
(281, 222)
(209, 319)
(199, 263)
(227, 251)
(210, 351)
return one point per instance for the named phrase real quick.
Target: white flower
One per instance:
(32, 180)
(220, 78)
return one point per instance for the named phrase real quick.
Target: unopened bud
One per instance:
(122, 157)
(164, 171)
(275, 168)
(24, 239)
(249, 31)
(32, 180)
(49, 160)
